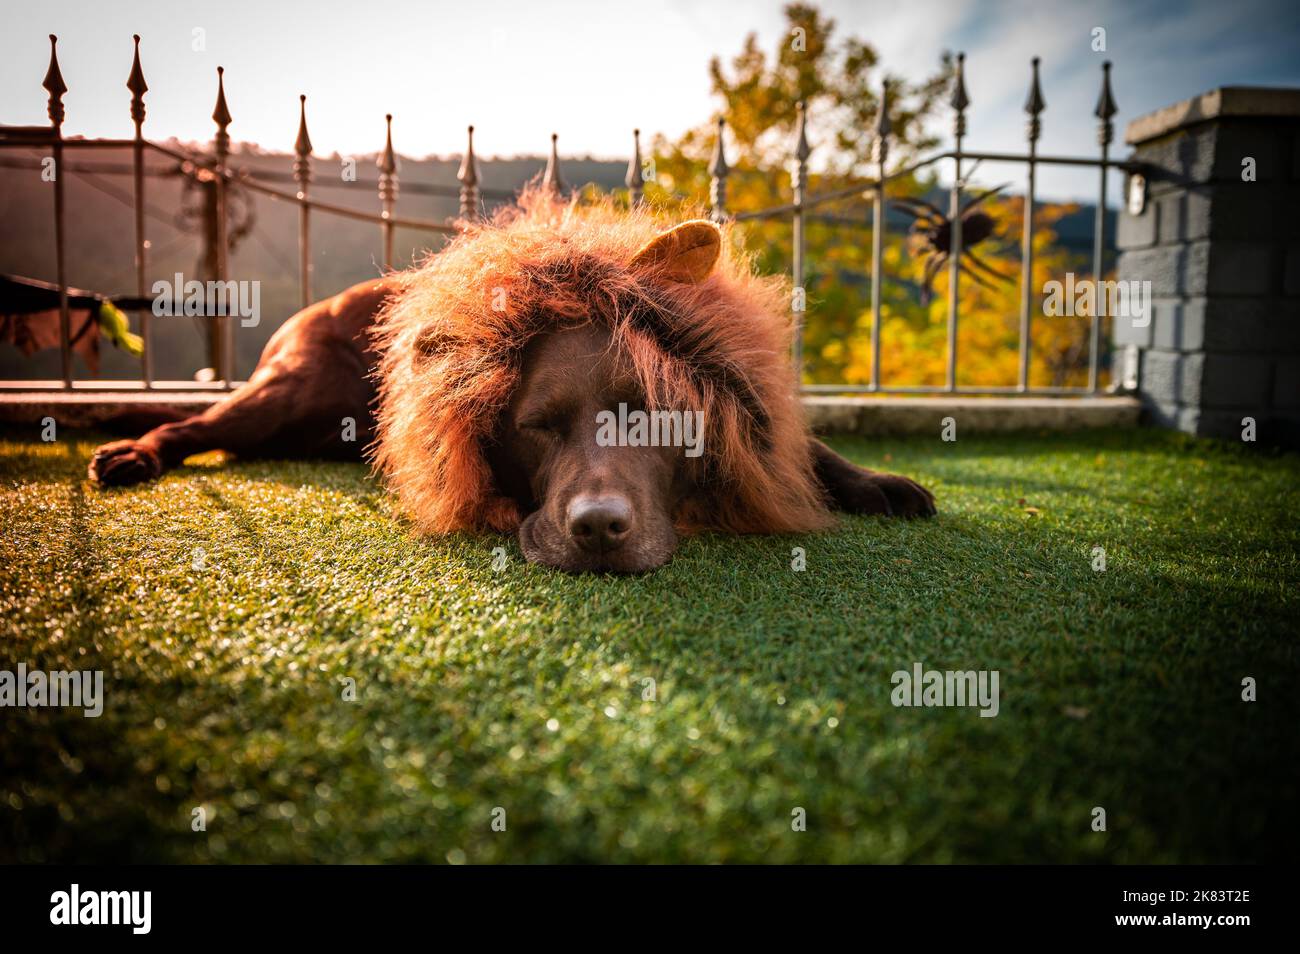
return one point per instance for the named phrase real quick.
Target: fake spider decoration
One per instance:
(934, 229)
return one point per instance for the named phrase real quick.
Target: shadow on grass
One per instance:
(1127, 698)
(770, 692)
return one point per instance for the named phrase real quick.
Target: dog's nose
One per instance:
(600, 524)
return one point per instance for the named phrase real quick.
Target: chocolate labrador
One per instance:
(486, 416)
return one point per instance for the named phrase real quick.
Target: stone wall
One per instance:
(1222, 254)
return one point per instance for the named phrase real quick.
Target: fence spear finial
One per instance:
(388, 190)
(1035, 104)
(54, 85)
(469, 179)
(136, 84)
(801, 149)
(799, 176)
(221, 116)
(468, 172)
(302, 175)
(223, 343)
(634, 181)
(959, 100)
(388, 168)
(302, 148)
(718, 172)
(884, 126)
(551, 180)
(718, 167)
(798, 180)
(388, 161)
(1106, 107)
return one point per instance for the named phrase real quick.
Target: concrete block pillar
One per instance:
(1216, 231)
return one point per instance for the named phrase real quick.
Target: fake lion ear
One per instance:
(684, 254)
(431, 342)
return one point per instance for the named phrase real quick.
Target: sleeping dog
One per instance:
(483, 384)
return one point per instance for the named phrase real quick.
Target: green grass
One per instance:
(524, 688)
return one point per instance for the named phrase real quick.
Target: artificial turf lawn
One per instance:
(526, 689)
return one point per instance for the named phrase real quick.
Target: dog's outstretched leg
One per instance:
(855, 489)
(312, 379)
(257, 421)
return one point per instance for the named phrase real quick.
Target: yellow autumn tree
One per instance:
(914, 338)
(839, 80)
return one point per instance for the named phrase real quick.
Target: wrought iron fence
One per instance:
(959, 100)
(215, 169)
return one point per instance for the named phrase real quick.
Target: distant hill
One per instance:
(100, 254)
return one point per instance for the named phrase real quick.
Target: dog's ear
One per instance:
(684, 254)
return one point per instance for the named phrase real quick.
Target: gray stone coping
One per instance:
(1225, 101)
(871, 416)
(867, 415)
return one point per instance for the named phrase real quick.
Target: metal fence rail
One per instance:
(215, 170)
(875, 189)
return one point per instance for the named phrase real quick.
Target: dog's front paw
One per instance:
(858, 492)
(123, 463)
(855, 489)
(906, 497)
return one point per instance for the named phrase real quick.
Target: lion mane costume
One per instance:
(453, 335)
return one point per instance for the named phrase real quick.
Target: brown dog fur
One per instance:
(719, 344)
(675, 319)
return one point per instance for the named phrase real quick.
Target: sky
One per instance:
(591, 70)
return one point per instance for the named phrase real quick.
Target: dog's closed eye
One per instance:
(543, 425)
